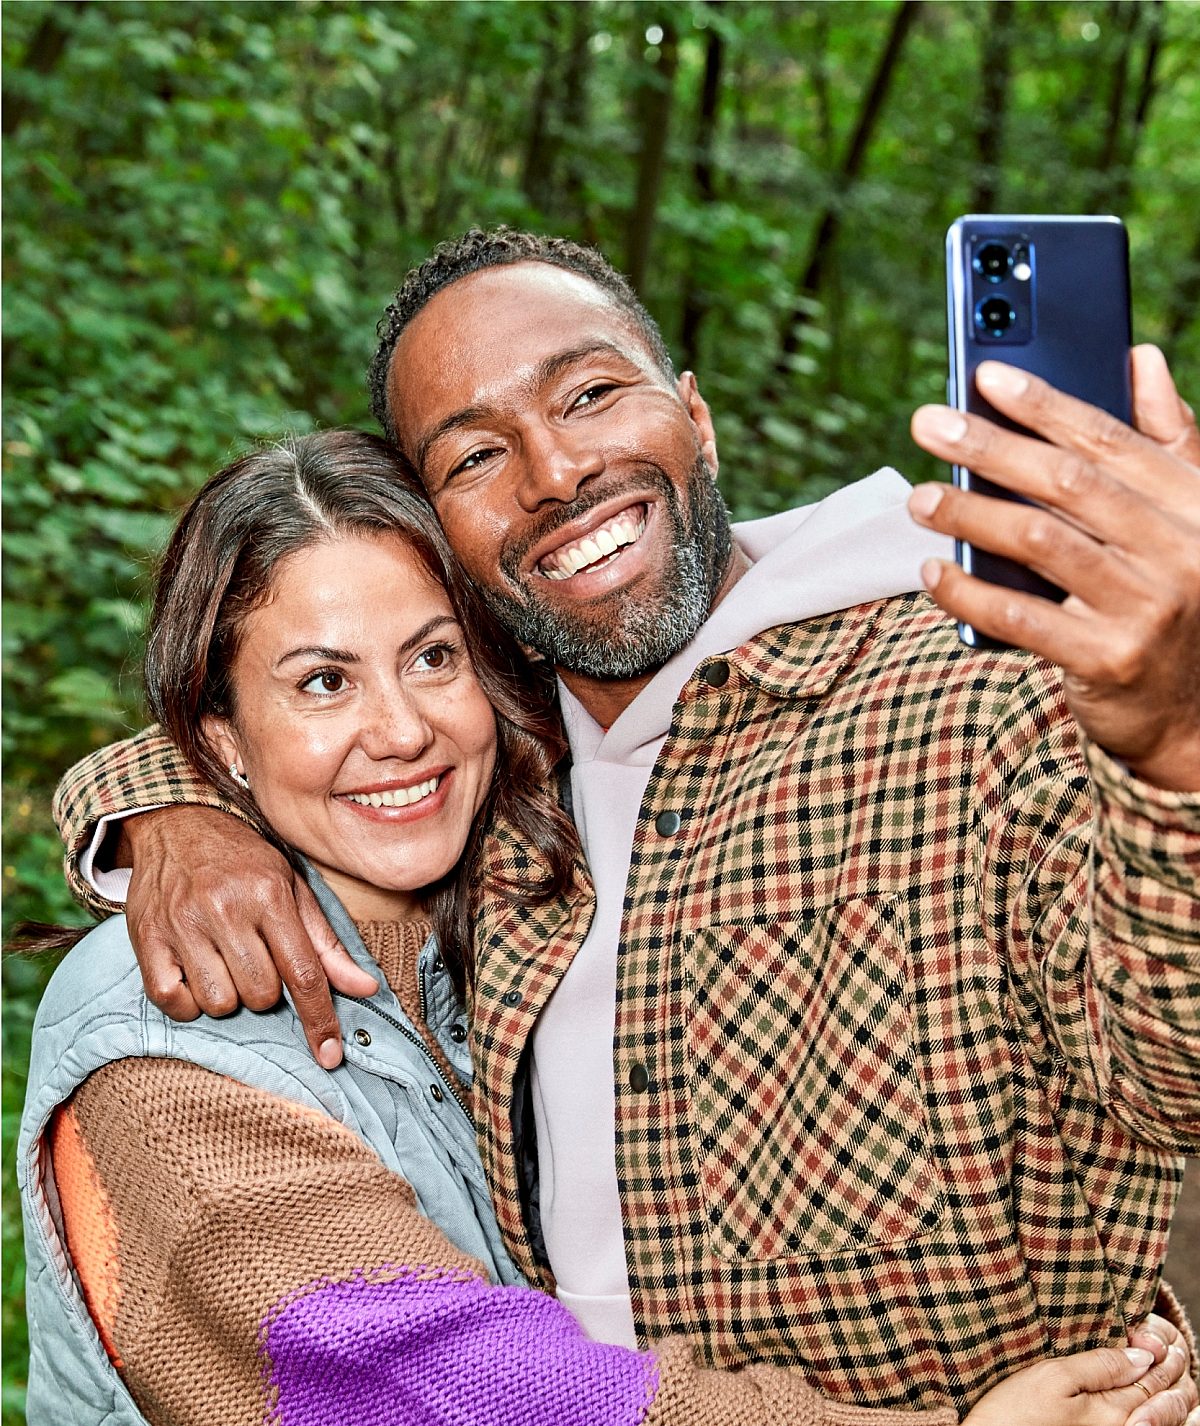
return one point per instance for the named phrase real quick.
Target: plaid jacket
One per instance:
(908, 1019)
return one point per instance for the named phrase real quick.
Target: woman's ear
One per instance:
(218, 734)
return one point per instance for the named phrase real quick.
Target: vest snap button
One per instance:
(666, 824)
(716, 675)
(362, 1037)
(639, 1079)
(511, 998)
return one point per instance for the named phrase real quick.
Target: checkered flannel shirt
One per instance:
(908, 1015)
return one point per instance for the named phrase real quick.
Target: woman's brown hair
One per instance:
(220, 565)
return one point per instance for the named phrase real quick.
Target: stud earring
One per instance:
(238, 777)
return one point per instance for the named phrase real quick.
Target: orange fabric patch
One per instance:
(89, 1224)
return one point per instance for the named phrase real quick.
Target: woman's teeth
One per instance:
(613, 535)
(397, 797)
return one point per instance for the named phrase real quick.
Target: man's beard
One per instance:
(634, 631)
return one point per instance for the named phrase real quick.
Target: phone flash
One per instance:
(1022, 271)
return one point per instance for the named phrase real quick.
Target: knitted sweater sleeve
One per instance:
(247, 1260)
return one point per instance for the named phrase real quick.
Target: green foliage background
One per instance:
(208, 205)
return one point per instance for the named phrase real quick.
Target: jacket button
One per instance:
(639, 1079)
(436, 1091)
(716, 675)
(511, 998)
(666, 824)
(362, 1037)
(458, 1033)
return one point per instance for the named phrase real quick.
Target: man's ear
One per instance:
(218, 734)
(697, 409)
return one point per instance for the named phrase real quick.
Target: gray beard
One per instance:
(633, 632)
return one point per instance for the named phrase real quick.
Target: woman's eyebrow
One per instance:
(317, 651)
(323, 651)
(545, 372)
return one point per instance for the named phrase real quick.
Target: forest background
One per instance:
(209, 204)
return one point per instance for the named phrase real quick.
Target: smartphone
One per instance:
(1049, 294)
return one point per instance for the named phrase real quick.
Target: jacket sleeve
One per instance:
(1092, 886)
(143, 771)
(249, 1261)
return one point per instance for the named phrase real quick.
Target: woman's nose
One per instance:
(396, 727)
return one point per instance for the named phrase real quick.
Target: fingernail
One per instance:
(924, 500)
(329, 1054)
(940, 422)
(931, 573)
(996, 376)
(1139, 1356)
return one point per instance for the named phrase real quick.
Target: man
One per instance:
(881, 1044)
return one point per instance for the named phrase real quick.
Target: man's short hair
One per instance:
(475, 251)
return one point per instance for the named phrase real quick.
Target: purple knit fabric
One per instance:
(422, 1347)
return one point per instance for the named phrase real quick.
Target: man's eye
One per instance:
(593, 394)
(475, 460)
(329, 680)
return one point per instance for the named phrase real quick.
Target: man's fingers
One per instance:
(300, 966)
(208, 979)
(1158, 410)
(342, 971)
(1115, 500)
(163, 978)
(253, 972)
(1102, 577)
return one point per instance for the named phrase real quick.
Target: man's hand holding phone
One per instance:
(1116, 525)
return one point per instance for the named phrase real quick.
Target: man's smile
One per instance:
(597, 547)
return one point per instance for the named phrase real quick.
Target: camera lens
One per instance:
(993, 261)
(995, 316)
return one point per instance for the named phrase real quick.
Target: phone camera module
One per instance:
(993, 261)
(995, 316)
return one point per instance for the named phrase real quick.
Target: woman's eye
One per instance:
(327, 681)
(436, 657)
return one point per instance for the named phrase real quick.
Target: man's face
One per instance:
(574, 479)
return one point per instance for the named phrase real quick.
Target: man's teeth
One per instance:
(397, 797)
(615, 534)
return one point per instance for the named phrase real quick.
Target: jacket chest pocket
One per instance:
(810, 1122)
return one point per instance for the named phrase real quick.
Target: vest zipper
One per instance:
(416, 1040)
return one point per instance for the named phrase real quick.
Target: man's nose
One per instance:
(555, 464)
(396, 726)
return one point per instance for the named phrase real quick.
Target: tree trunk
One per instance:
(1125, 14)
(695, 303)
(1147, 88)
(44, 52)
(574, 111)
(655, 95)
(830, 221)
(539, 146)
(995, 69)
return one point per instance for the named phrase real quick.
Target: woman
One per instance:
(256, 1238)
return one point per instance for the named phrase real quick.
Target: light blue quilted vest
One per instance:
(388, 1090)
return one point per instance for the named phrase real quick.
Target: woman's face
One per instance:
(358, 721)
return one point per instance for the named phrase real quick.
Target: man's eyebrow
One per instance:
(543, 374)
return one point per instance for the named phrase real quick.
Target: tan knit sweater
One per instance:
(193, 1204)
